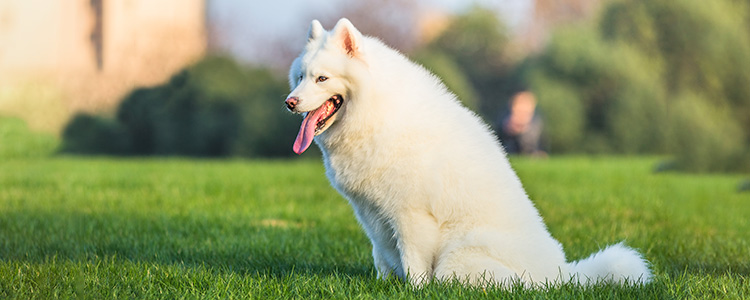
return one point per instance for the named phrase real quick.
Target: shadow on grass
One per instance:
(224, 246)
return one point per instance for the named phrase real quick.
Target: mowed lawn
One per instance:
(109, 228)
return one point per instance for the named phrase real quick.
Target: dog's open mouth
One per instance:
(316, 122)
(331, 107)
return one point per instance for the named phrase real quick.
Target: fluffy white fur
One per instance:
(427, 179)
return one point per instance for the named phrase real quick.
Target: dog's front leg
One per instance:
(381, 263)
(418, 243)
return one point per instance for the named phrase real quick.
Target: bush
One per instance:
(563, 114)
(636, 113)
(214, 108)
(266, 129)
(704, 137)
(87, 134)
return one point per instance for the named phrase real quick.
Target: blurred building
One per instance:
(86, 54)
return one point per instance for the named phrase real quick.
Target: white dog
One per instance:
(428, 181)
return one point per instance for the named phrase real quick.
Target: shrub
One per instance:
(705, 137)
(87, 134)
(214, 108)
(563, 114)
(636, 113)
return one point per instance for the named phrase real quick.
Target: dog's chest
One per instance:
(364, 182)
(368, 190)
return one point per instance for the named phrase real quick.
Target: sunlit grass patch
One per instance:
(107, 228)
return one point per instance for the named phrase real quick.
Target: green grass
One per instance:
(106, 228)
(17, 142)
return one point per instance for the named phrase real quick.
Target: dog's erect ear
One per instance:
(348, 37)
(316, 30)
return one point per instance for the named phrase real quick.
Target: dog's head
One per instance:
(319, 78)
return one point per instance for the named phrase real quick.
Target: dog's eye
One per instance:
(321, 79)
(299, 79)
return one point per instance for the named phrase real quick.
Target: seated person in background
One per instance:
(521, 129)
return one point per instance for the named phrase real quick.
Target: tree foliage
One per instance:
(472, 47)
(643, 77)
(652, 77)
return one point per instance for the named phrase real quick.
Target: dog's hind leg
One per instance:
(471, 265)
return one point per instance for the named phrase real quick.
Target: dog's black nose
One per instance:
(291, 102)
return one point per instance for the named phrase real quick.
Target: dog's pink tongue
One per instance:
(307, 130)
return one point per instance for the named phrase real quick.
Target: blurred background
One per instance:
(207, 78)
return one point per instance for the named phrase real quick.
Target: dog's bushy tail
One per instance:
(615, 264)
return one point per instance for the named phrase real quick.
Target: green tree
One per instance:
(475, 43)
(451, 75)
(651, 77)
(610, 87)
(702, 49)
